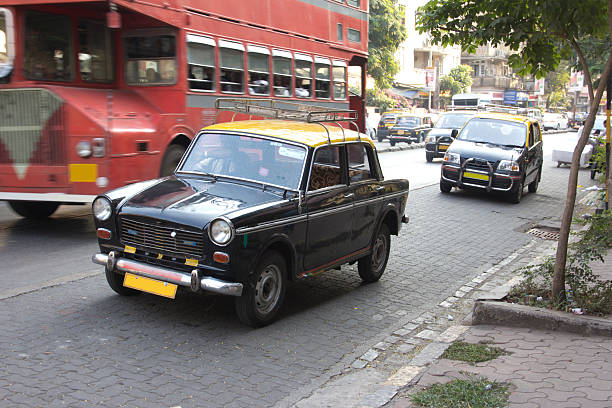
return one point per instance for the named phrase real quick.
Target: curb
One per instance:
(400, 148)
(514, 315)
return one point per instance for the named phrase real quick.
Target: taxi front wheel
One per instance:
(115, 281)
(517, 193)
(264, 293)
(445, 187)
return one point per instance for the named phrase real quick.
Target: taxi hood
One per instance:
(194, 201)
(486, 151)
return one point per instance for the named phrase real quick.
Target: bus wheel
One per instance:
(34, 209)
(171, 159)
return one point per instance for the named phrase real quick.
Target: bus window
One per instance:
(339, 72)
(95, 52)
(232, 66)
(151, 59)
(7, 50)
(281, 62)
(303, 76)
(259, 70)
(322, 78)
(201, 62)
(48, 47)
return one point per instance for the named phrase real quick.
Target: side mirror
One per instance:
(454, 133)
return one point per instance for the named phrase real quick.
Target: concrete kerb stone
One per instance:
(514, 315)
(399, 147)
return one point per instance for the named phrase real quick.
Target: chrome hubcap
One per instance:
(267, 289)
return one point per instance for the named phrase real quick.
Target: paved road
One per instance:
(78, 344)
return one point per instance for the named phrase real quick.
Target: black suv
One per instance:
(495, 152)
(439, 138)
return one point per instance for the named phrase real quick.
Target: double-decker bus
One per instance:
(98, 94)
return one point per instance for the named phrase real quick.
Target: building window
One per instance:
(303, 76)
(281, 67)
(339, 73)
(322, 78)
(259, 70)
(201, 63)
(353, 35)
(340, 35)
(232, 66)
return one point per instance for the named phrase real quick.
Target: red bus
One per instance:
(98, 94)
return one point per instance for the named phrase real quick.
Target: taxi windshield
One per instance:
(246, 157)
(407, 120)
(494, 131)
(452, 121)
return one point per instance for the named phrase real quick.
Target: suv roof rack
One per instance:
(270, 108)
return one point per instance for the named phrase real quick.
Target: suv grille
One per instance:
(478, 164)
(157, 238)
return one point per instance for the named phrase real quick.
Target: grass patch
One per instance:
(464, 393)
(472, 353)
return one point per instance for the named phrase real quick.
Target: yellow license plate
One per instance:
(149, 285)
(400, 132)
(477, 176)
(442, 147)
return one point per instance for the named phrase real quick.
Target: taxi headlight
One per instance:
(221, 231)
(452, 158)
(508, 165)
(102, 208)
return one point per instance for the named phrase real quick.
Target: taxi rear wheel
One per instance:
(264, 293)
(115, 281)
(372, 266)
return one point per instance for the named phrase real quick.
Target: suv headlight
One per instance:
(508, 165)
(430, 139)
(221, 231)
(452, 158)
(102, 208)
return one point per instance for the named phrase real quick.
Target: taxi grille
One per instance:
(151, 237)
(479, 164)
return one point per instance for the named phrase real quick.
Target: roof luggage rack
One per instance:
(272, 109)
(465, 107)
(502, 109)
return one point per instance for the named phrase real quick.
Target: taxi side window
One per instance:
(531, 135)
(537, 135)
(326, 168)
(359, 162)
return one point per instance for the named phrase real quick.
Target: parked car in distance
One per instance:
(495, 152)
(439, 138)
(251, 206)
(410, 127)
(555, 121)
(386, 122)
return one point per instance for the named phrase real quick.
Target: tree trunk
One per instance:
(558, 283)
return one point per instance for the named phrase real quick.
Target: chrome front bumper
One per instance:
(491, 174)
(195, 281)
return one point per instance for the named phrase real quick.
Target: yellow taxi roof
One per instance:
(310, 134)
(505, 116)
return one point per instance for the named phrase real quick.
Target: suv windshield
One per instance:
(452, 121)
(245, 157)
(496, 131)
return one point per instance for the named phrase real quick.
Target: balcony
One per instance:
(500, 83)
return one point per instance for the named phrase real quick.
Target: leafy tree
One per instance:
(386, 33)
(541, 32)
(555, 86)
(458, 80)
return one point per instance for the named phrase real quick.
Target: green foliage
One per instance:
(556, 85)
(586, 290)
(539, 31)
(595, 51)
(458, 80)
(599, 159)
(463, 393)
(472, 353)
(386, 33)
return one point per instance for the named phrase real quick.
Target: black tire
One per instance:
(171, 159)
(392, 142)
(372, 266)
(264, 294)
(445, 187)
(429, 157)
(533, 186)
(380, 138)
(517, 193)
(34, 209)
(115, 281)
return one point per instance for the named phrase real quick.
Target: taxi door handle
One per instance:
(349, 195)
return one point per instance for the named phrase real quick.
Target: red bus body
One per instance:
(118, 98)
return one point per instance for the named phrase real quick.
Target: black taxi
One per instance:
(439, 137)
(252, 205)
(410, 127)
(495, 152)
